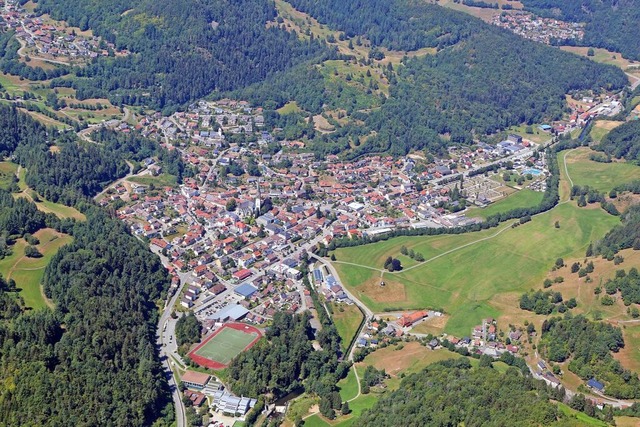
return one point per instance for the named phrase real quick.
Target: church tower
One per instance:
(258, 201)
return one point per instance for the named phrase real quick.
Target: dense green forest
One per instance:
(610, 24)
(451, 393)
(492, 80)
(396, 24)
(181, 50)
(481, 80)
(623, 142)
(589, 346)
(623, 236)
(92, 360)
(286, 361)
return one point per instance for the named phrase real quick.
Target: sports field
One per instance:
(217, 351)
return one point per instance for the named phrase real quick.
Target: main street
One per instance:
(167, 347)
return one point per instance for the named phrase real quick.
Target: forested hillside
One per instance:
(611, 24)
(92, 360)
(589, 346)
(490, 81)
(182, 50)
(395, 24)
(623, 142)
(450, 393)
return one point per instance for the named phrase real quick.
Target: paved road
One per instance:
(167, 345)
(367, 312)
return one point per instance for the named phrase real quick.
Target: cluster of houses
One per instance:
(330, 287)
(484, 340)
(52, 40)
(542, 30)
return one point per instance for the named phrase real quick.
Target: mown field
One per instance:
(28, 272)
(521, 199)
(478, 275)
(601, 176)
(347, 319)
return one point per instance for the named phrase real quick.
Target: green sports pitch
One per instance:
(226, 344)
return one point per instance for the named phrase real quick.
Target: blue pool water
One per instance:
(532, 171)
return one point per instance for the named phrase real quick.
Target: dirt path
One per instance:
(355, 371)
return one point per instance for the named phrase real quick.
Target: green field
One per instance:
(357, 406)
(162, 180)
(521, 199)
(347, 322)
(465, 282)
(582, 418)
(61, 211)
(289, 107)
(28, 272)
(7, 173)
(226, 345)
(601, 176)
(348, 386)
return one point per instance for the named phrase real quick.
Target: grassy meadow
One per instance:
(601, 176)
(347, 319)
(521, 199)
(28, 272)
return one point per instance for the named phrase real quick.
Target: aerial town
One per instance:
(542, 30)
(235, 232)
(51, 40)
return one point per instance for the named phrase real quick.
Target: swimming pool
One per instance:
(532, 172)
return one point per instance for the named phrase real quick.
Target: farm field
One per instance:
(629, 356)
(28, 272)
(463, 283)
(601, 176)
(412, 358)
(520, 199)
(602, 127)
(347, 319)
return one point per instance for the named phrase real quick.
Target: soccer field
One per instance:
(226, 344)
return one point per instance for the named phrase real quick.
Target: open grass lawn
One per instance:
(537, 136)
(412, 358)
(289, 107)
(629, 356)
(28, 272)
(521, 199)
(602, 127)
(300, 406)
(601, 176)
(601, 55)
(347, 319)
(348, 386)
(464, 282)
(226, 345)
(61, 211)
(365, 401)
(581, 419)
(7, 174)
(162, 180)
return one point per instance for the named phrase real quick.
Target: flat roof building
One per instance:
(196, 380)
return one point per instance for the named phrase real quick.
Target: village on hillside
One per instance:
(51, 40)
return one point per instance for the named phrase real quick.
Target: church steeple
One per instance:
(258, 201)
